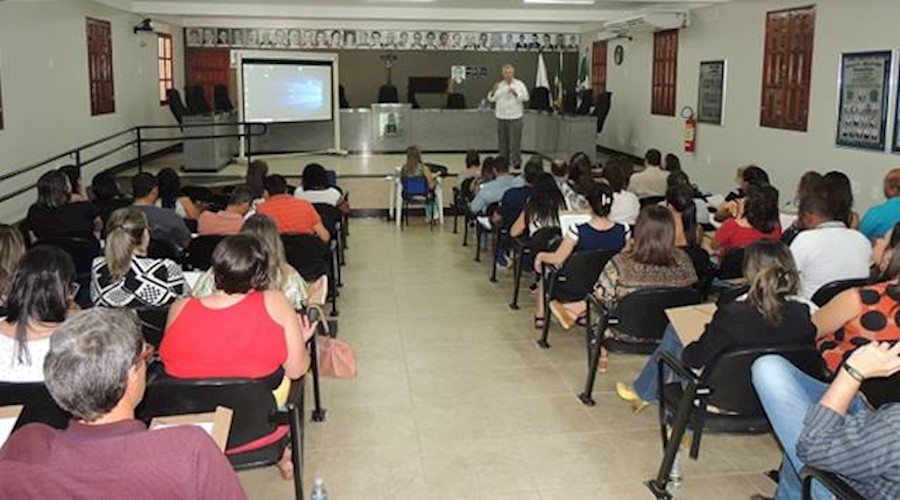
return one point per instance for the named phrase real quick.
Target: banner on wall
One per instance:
(341, 39)
(863, 108)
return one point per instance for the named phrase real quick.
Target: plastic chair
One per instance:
(571, 282)
(198, 255)
(724, 384)
(461, 198)
(834, 484)
(830, 290)
(153, 323)
(312, 258)
(37, 402)
(480, 229)
(415, 190)
(221, 100)
(333, 220)
(255, 416)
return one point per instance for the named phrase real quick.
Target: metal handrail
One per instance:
(137, 141)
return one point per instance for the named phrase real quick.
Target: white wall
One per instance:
(44, 80)
(735, 31)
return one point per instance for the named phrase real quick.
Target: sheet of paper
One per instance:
(8, 417)
(206, 426)
(690, 321)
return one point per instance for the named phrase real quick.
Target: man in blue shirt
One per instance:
(493, 191)
(881, 218)
(514, 200)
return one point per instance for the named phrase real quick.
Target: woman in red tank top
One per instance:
(242, 330)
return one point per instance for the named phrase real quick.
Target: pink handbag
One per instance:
(336, 358)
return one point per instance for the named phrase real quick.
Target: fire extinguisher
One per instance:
(690, 129)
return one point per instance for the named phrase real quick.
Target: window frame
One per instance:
(165, 59)
(664, 82)
(101, 77)
(785, 90)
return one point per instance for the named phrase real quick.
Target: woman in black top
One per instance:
(53, 216)
(768, 315)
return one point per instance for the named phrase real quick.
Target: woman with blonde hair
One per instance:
(12, 248)
(281, 276)
(124, 276)
(415, 168)
(770, 314)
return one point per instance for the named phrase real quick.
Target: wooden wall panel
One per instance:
(787, 69)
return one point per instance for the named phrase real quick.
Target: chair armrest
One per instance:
(677, 365)
(830, 481)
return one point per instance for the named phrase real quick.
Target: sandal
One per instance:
(538, 323)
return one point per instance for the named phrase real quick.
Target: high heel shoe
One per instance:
(628, 395)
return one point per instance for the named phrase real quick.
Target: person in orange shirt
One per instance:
(291, 215)
(229, 221)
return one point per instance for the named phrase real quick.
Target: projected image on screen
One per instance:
(287, 91)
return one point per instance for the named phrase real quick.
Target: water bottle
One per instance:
(319, 492)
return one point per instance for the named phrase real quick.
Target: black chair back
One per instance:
(456, 101)
(153, 323)
(197, 193)
(642, 314)
(388, 94)
(163, 249)
(221, 100)
(651, 200)
(601, 110)
(331, 217)
(581, 272)
(729, 295)
(731, 383)
(342, 98)
(38, 404)
(176, 105)
(250, 400)
(881, 391)
(540, 99)
(830, 290)
(196, 100)
(198, 255)
(732, 265)
(307, 254)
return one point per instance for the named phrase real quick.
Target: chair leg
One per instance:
(497, 247)
(549, 282)
(318, 413)
(519, 261)
(455, 216)
(478, 233)
(295, 415)
(672, 443)
(594, 339)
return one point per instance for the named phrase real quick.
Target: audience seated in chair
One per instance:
(757, 219)
(40, 297)
(55, 215)
(76, 186)
(839, 192)
(862, 315)
(12, 248)
(228, 221)
(96, 369)
(491, 192)
(414, 167)
(560, 170)
(257, 171)
(472, 170)
(316, 189)
(164, 224)
(626, 207)
(831, 427)
(242, 330)
(171, 197)
(542, 208)
(827, 250)
(512, 204)
(811, 182)
(651, 180)
(747, 177)
(599, 233)
(682, 206)
(768, 315)
(124, 276)
(291, 215)
(108, 196)
(281, 275)
(881, 218)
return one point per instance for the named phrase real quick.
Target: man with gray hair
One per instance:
(509, 96)
(96, 370)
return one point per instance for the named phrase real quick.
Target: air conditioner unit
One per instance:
(648, 22)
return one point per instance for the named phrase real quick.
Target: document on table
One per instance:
(690, 321)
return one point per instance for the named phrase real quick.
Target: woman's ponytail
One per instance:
(124, 234)
(772, 275)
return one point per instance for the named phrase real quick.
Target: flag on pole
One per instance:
(584, 78)
(558, 101)
(541, 80)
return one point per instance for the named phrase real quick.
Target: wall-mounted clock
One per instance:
(619, 55)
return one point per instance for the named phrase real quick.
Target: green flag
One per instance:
(584, 79)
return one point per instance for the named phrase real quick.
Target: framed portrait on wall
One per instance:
(863, 102)
(711, 98)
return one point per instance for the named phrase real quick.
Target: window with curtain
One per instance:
(787, 68)
(665, 72)
(598, 68)
(166, 67)
(100, 67)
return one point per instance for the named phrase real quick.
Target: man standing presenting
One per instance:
(510, 96)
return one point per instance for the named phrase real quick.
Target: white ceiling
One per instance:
(394, 12)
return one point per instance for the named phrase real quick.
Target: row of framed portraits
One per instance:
(341, 39)
(864, 99)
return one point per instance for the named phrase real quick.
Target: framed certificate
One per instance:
(863, 102)
(711, 98)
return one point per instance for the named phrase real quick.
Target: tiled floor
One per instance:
(455, 400)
